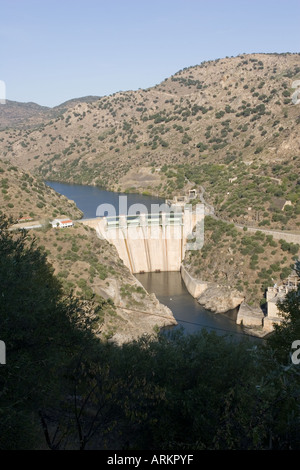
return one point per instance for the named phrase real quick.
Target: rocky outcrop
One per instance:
(220, 299)
(137, 314)
(134, 323)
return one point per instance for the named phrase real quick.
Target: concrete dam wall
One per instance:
(154, 242)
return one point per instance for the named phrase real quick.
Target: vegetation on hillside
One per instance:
(249, 194)
(43, 331)
(90, 269)
(24, 196)
(249, 262)
(27, 115)
(229, 118)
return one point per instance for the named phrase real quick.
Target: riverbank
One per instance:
(191, 317)
(218, 299)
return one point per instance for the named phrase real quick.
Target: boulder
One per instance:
(220, 299)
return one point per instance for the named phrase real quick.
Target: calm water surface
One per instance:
(88, 198)
(170, 290)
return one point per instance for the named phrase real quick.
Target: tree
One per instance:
(62, 386)
(42, 330)
(288, 330)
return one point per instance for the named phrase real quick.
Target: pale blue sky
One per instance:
(55, 50)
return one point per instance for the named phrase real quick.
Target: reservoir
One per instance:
(88, 198)
(167, 286)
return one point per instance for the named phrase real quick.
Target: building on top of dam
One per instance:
(182, 199)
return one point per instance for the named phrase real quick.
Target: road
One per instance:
(290, 237)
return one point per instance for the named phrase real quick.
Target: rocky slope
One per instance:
(238, 265)
(91, 269)
(220, 299)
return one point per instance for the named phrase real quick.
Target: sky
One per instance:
(55, 50)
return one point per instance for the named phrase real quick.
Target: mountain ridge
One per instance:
(228, 124)
(17, 114)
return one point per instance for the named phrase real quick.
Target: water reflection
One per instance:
(88, 198)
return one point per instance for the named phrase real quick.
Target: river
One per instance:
(167, 286)
(170, 290)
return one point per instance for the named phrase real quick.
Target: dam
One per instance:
(153, 242)
(168, 286)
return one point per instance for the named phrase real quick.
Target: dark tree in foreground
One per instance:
(42, 330)
(62, 388)
(288, 330)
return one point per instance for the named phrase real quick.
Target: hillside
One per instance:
(23, 195)
(91, 269)
(241, 260)
(229, 128)
(228, 124)
(88, 267)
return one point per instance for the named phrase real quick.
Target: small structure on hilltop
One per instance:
(62, 223)
(192, 194)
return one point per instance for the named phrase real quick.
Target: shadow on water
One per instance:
(170, 290)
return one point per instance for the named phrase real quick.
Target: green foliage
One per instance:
(289, 329)
(219, 114)
(202, 147)
(42, 331)
(175, 392)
